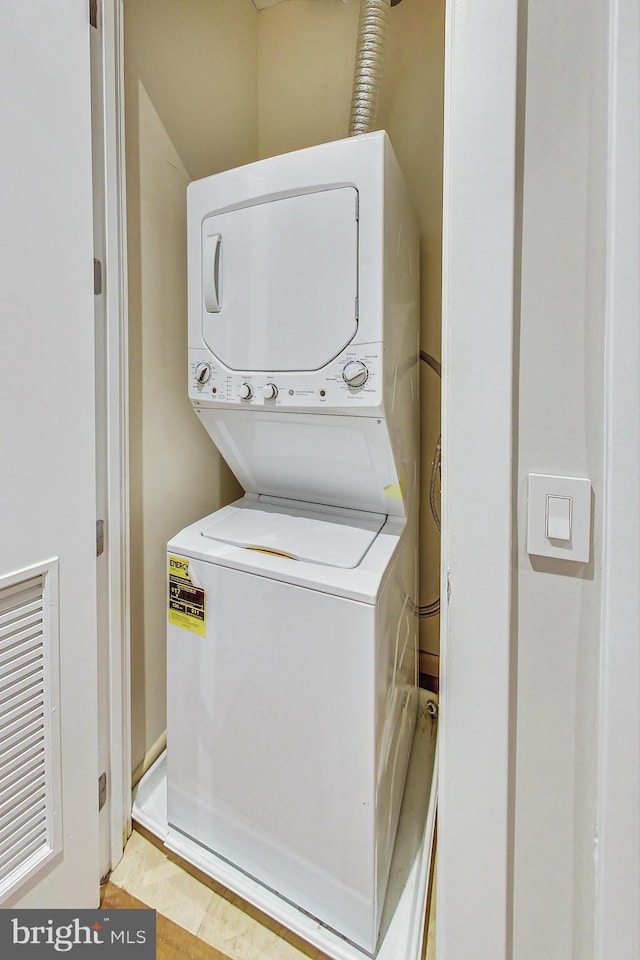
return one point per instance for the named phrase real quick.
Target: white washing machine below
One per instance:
(292, 651)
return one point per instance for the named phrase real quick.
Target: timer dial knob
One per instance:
(245, 391)
(355, 373)
(203, 373)
(269, 391)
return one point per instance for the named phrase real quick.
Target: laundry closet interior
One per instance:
(213, 85)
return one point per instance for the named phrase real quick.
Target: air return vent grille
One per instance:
(29, 735)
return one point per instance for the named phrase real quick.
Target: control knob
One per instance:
(269, 391)
(245, 391)
(203, 373)
(355, 373)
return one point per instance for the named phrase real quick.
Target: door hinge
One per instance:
(93, 13)
(97, 277)
(99, 538)
(102, 791)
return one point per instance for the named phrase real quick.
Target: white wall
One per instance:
(191, 102)
(560, 431)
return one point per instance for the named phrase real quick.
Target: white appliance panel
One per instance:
(315, 535)
(340, 461)
(280, 281)
(324, 389)
(276, 769)
(362, 583)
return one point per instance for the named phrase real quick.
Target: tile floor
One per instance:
(210, 912)
(172, 941)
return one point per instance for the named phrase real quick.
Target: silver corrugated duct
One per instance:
(372, 35)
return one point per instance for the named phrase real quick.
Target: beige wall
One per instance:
(412, 111)
(560, 431)
(191, 109)
(306, 55)
(196, 60)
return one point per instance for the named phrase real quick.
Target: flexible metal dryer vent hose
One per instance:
(367, 78)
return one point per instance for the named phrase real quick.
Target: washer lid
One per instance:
(279, 286)
(315, 534)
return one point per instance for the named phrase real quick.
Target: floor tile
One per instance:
(242, 937)
(173, 942)
(148, 874)
(140, 858)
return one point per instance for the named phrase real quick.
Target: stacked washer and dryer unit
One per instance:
(292, 635)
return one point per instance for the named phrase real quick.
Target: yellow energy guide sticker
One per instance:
(186, 601)
(395, 491)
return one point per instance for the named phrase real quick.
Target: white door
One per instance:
(280, 281)
(48, 702)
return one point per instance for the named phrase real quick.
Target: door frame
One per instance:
(114, 279)
(474, 877)
(617, 925)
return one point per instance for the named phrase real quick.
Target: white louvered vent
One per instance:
(29, 739)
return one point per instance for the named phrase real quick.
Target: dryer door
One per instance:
(280, 281)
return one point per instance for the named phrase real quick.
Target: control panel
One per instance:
(351, 380)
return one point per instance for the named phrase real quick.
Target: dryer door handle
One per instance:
(211, 255)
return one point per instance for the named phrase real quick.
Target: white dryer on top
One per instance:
(303, 324)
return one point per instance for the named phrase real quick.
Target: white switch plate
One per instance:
(559, 511)
(576, 489)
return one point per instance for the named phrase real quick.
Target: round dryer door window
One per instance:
(280, 281)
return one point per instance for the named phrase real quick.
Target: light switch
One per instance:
(559, 518)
